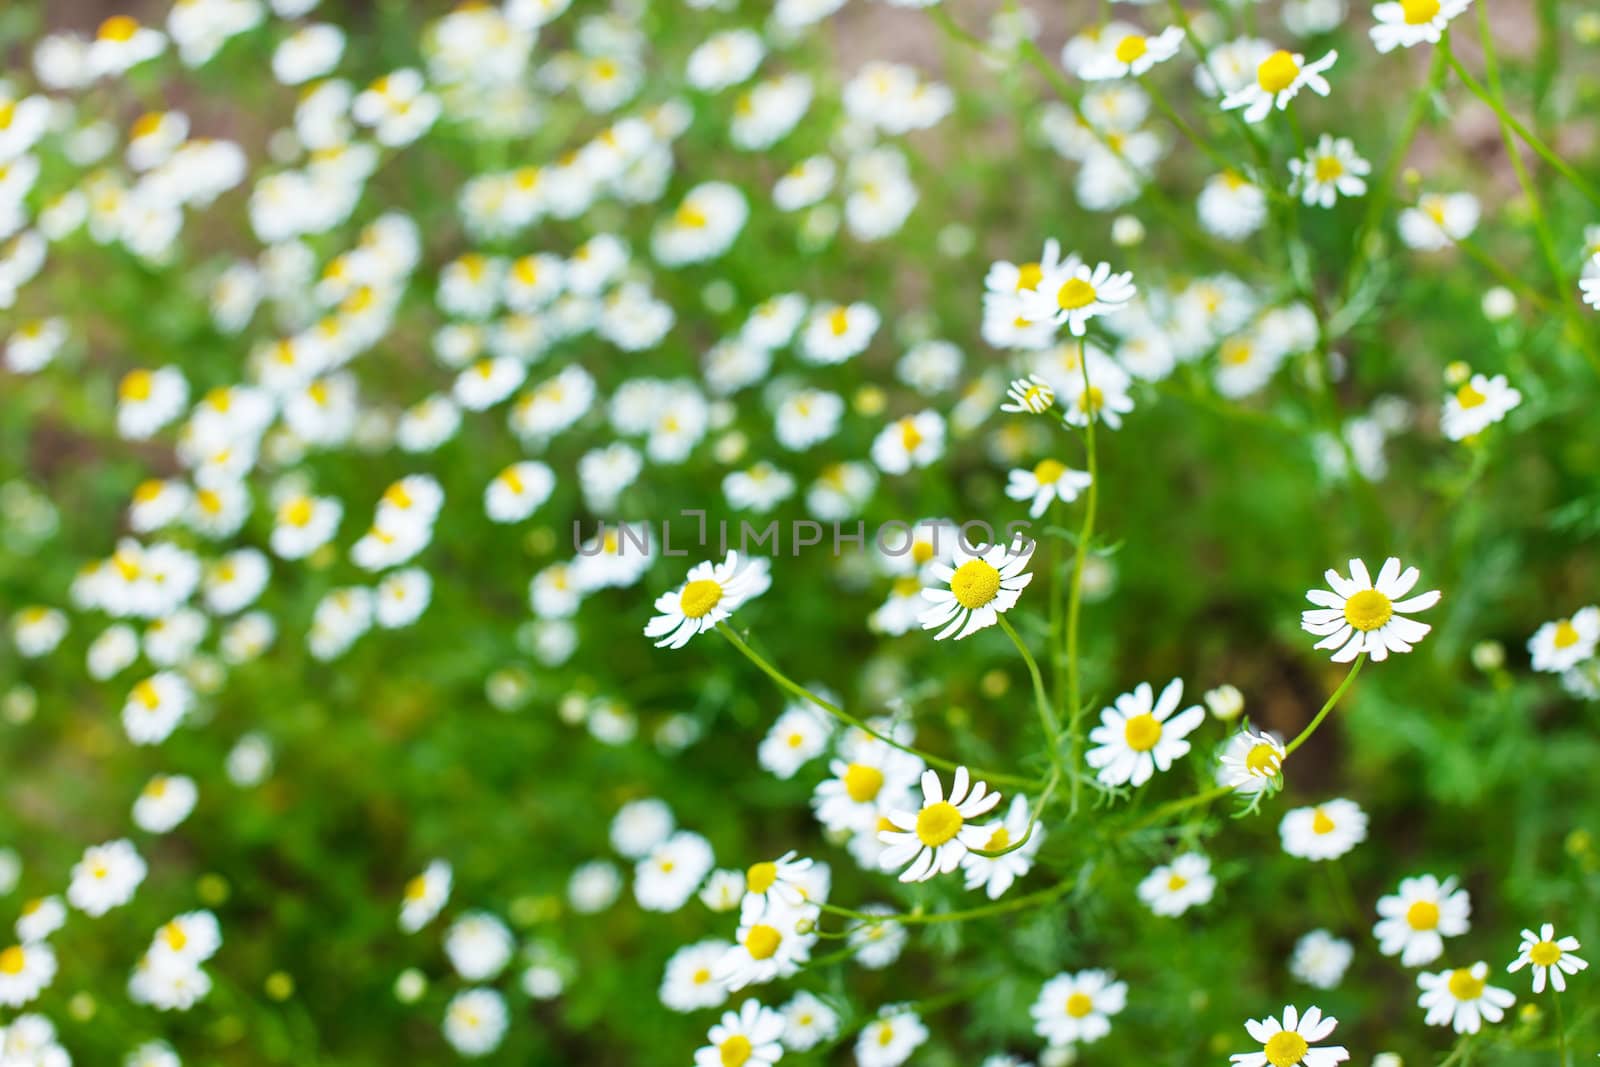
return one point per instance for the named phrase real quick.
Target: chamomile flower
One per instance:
(877, 943)
(1132, 55)
(1231, 206)
(978, 585)
(518, 491)
(1551, 957)
(1320, 959)
(1561, 645)
(891, 1038)
(773, 941)
(40, 918)
(425, 896)
(796, 737)
(1476, 405)
(479, 946)
(475, 1021)
(1406, 23)
(712, 592)
(1290, 1044)
(1362, 616)
(1325, 831)
(912, 441)
(1439, 220)
(807, 1022)
(1077, 1008)
(1279, 77)
(748, 1037)
(996, 874)
(667, 877)
(1462, 999)
(106, 877)
(870, 775)
(155, 706)
(1414, 921)
(1330, 169)
(1141, 734)
(837, 332)
(1031, 395)
(1049, 480)
(1174, 888)
(1073, 293)
(25, 971)
(689, 983)
(934, 839)
(164, 802)
(1251, 761)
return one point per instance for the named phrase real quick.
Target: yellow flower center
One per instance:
(862, 782)
(760, 877)
(1566, 634)
(1176, 882)
(1142, 732)
(762, 942)
(1419, 11)
(921, 552)
(702, 976)
(174, 936)
(1262, 759)
(1076, 293)
(1277, 72)
(147, 694)
(1423, 915)
(938, 823)
(886, 1034)
(735, 1051)
(1328, 168)
(1368, 610)
(136, 385)
(1131, 48)
(699, 597)
(148, 490)
(297, 512)
(417, 889)
(1464, 985)
(1468, 397)
(1079, 1005)
(1001, 838)
(691, 217)
(974, 584)
(1285, 1049)
(1048, 471)
(118, 28)
(1320, 823)
(910, 436)
(839, 321)
(1544, 954)
(1028, 276)
(511, 481)
(12, 960)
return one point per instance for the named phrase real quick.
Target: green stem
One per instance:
(1033, 820)
(1311, 727)
(1047, 715)
(1528, 137)
(800, 691)
(1561, 1029)
(1075, 594)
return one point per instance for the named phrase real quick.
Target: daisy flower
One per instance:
(748, 1037)
(25, 970)
(773, 941)
(890, 1039)
(1074, 1008)
(995, 874)
(1439, 220)
(1360, 615)
(853, 798)
(1462, 999)
(808, 1022)
(1411, 22)
(1174, 888)
(1325, 831)
(1250, 762)
(425, 896)
(1320, 959)
(1330, 170)
(1133, 54)
(1291, 1043)
(934, 839)
(712, 592)
(1140, 735)
(1278, 78)
(1414, 922)
(1563, 644)
(1031, 396)
(1050, 480)
(1476, 405)
(983, 583)
(1073, 293)
(1551, 957)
